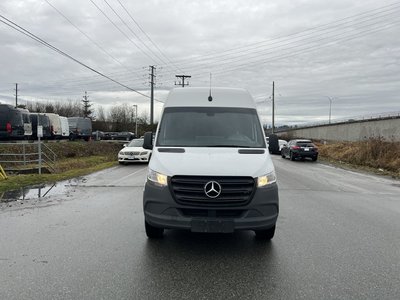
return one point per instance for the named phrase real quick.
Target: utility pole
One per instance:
(182, 82)
(16, 95)
(273, 107)
(135, 105)
(152, 82)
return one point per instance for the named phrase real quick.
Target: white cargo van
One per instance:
(210, 170)
(55, 125)
(64, 127)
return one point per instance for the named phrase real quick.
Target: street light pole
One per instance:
(135, 105)
(330, 107)
(273, 107)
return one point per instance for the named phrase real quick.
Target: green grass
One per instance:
(73, 159)
(374, 155)
(68, 168)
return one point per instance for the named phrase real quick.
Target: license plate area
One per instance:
(223, 226)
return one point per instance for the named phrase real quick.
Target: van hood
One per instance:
(211, 162)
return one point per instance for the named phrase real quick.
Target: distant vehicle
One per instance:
(44, 121)
(281, 144)
(64, 127)
(55, 125)
(11, 123)
(109, 135)
(80, 128)
(98, 135)
(125, 135)
(134, 151)
(27, 123)
(300, 149)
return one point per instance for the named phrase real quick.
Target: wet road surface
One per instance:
(337, 237)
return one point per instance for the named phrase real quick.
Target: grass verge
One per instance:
(68, 168)
(374, 156)
(74, 159)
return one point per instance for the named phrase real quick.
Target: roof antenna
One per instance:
(210, 97)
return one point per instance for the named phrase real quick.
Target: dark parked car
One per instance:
(108, 135)
(98, 135)
(125, 135)
(300, 149)
(44, 121)
(11, 123)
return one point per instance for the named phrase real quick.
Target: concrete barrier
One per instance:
(388, 128)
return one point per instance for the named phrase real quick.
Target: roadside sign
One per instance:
(40, 131)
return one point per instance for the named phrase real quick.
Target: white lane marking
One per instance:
(122, 178)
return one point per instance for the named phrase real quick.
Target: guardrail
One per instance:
(27, 157)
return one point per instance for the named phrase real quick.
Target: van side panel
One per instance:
(80, 128)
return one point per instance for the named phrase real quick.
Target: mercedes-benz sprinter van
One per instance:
(210, 170)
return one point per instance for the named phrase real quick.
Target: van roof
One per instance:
(5, 107)
(198, 96)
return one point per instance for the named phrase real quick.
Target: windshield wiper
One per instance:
(225, 146)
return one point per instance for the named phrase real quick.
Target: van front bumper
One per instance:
(161, 210)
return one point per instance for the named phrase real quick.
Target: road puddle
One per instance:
(34, 192)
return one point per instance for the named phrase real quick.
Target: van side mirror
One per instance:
(148, 141)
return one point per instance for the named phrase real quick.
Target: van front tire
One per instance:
(153, 232)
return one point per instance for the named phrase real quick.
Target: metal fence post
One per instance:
(40, 155)
(24, 153)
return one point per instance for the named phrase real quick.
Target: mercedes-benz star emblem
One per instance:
(212, 189)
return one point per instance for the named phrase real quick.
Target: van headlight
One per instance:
(266, 179)
(157, 178)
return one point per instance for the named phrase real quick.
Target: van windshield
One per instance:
(210, 127)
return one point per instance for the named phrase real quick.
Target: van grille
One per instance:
(235, 191)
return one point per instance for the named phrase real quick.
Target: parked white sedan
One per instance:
(134, 151)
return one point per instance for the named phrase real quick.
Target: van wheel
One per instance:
(266, 235)
(292, 156)
(153, 232)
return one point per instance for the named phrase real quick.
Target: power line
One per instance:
(262, 59)
(87, 36)
(41, 41)
(311, 39)
(129, 28)
(120, 30)
(316, 28)
(148, 37)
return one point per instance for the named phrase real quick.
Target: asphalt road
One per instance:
(337, 237)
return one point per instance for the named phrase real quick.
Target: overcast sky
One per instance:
(315, 50)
